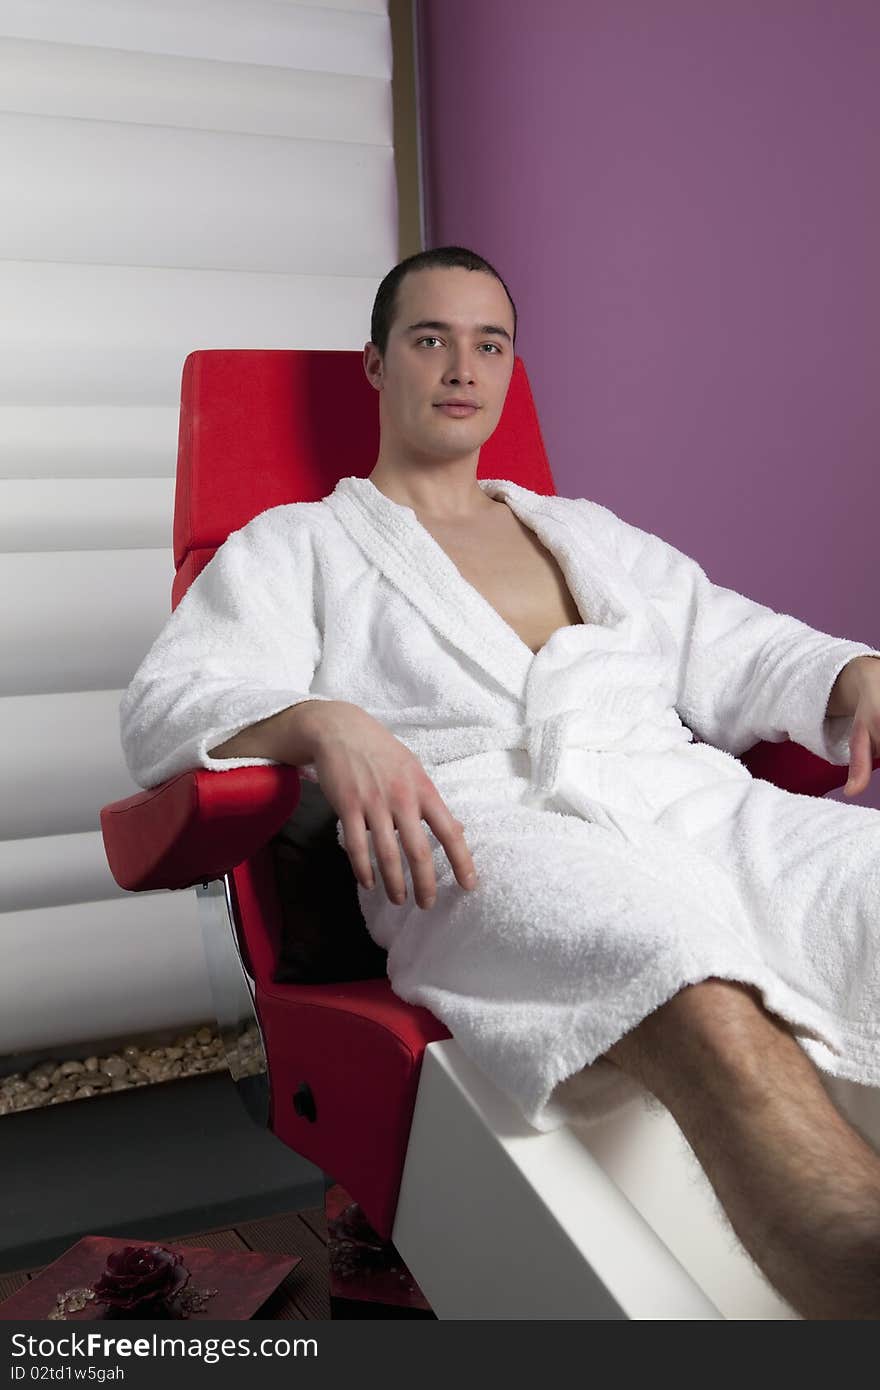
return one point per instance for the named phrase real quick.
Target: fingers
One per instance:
(860, 761)
(406, 808)
(399, 811)
(386, 849)
(387, 852)
(417, 850)
(413, 840)
(450, 833)
(354, 829)
(421, 860)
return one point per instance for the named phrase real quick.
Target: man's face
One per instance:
(442, 347)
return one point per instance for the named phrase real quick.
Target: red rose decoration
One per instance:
(354, 1245)
(352, 1224)
(142, 1276)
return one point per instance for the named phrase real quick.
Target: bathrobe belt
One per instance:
(547, 740)
(621, 727)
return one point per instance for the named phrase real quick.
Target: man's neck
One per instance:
(439, 499)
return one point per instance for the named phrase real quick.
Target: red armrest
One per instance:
(795, 769)
(197, 826)
(201, 824)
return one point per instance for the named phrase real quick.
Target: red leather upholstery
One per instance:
(794, 768)
(261, 428)
(258, 429)
(197, 826)
(357, 1046)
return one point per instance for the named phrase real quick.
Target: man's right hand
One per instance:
(374, 783)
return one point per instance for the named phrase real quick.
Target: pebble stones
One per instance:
(52, 1082)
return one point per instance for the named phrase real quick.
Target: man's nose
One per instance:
(459, 368)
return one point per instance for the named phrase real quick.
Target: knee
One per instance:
(712, 1031)
(710, 1009)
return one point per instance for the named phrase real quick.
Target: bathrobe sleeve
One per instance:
(241, 645)
(744, 672)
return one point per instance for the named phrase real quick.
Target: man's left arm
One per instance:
(745, 673)
(856, 694)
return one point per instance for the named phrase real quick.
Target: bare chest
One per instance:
(506, 562)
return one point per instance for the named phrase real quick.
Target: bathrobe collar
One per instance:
(392, 537)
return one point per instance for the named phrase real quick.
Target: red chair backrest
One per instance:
(260, 428)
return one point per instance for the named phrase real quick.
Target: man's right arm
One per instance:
(377, 787)
(244, 640)
(241, 646)
(290, 736)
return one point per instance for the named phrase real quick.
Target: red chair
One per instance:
(332, 1069)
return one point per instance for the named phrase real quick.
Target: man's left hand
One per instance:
(857, 692)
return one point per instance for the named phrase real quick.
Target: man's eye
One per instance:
(433, 339)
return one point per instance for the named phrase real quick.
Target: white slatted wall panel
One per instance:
(173, 176)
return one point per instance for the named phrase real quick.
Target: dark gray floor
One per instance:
(183, 1155)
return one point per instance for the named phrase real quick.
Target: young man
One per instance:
(599, 906)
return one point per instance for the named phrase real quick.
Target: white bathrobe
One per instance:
(618, 859)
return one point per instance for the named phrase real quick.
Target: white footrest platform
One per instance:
(611, 1220)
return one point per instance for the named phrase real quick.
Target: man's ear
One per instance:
(373, 365)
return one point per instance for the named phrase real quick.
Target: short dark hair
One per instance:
(385, 303)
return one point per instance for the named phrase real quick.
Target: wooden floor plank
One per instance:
(10, 1283)
(316, 1220)
(308, 1286)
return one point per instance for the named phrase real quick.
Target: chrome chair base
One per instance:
(233, 991)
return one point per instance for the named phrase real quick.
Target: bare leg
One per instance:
(800, 1186)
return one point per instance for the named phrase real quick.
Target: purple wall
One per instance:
(684, 199)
